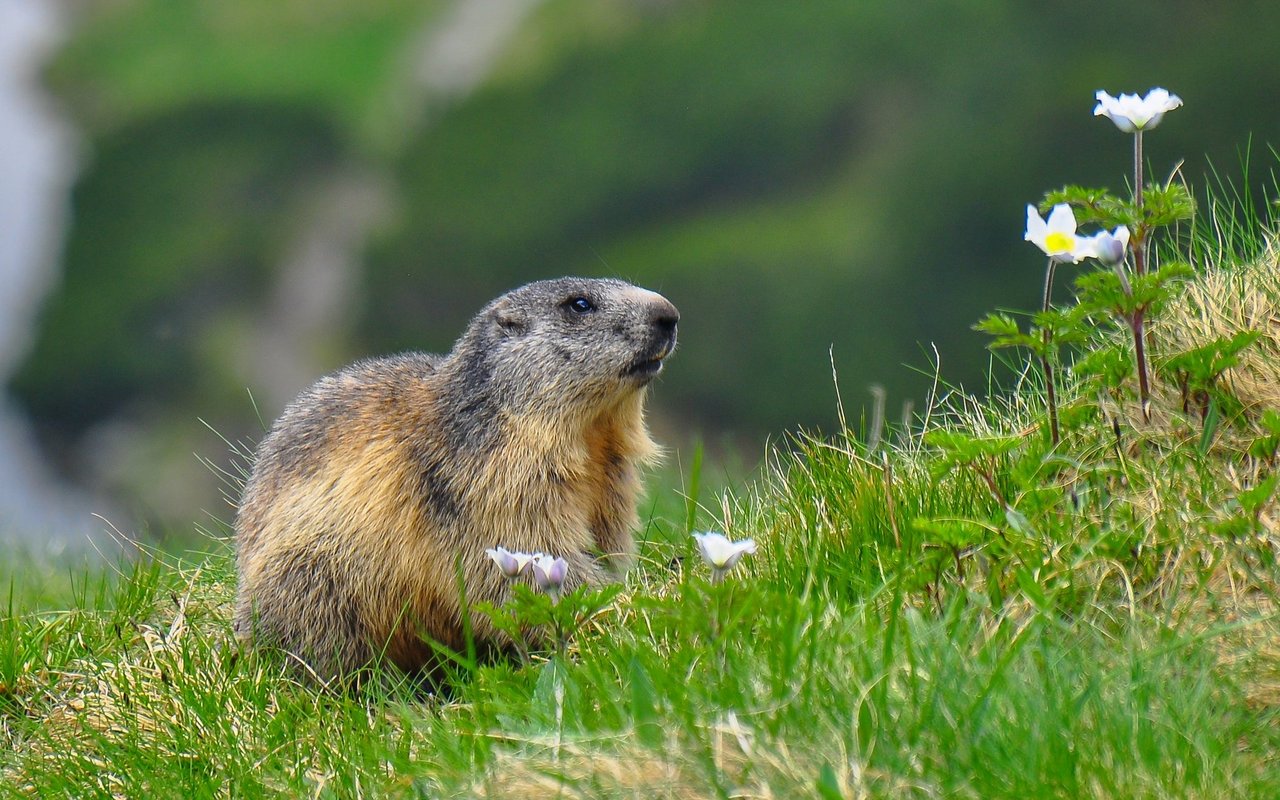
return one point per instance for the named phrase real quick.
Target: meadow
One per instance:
(1067, 594)
(1108, 629)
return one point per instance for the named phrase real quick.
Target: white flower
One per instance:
(720, 553)
(1132, 113)
(549, 573)
(1109, 248)
(1057, 237)
(512, 563)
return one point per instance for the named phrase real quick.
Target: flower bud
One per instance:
(512, 563)
(549, 573)
(720, 553)
(1109, 248)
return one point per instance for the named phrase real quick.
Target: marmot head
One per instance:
(571, 343)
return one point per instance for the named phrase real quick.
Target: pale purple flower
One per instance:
(549, 573)
(720, 553)
(511, 562)
(1057, 236)
(1109, 248)
(1132, 113)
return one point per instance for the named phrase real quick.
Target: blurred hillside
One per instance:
(272, 189)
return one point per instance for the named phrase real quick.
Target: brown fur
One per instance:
(381, 480)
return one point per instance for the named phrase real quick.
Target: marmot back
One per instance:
(381, 479)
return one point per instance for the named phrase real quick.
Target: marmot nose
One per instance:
(664, 316)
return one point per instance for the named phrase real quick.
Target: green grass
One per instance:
(798, 691)
(1112, 632)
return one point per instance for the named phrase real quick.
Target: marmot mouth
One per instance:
(649, 363)
(644, 367)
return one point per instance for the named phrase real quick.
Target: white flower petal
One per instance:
(1062, 219)
(1160, 100)
(1105, 101)
(1056, 238)
(1107, 247)
(1036, 228)
(549, 573)
(511, 562)
(1082, 248)
(719, 552)
(1133, 113)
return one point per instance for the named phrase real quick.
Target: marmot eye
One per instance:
(580, 305)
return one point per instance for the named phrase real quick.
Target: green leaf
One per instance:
(644, 714)
(1019, 522)
(1006, 332)
(1092, 205)
(1204, 364)
(1065, 325)
(998, 325)
(828, 784)
(1101, 293)
(1211, 421)
(954, 533)
(1153, 288)
(965, 449)
(1265, 446)
(1109, 365)
(1253, 499)
(1165, 205)
(1235, 527)
(1031, 587)
(1078, 413)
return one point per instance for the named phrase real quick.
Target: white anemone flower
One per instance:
(549, 573)
(1057, 236)
(1109, 248)
(720, 553)
(511, 562)
(1132, 113)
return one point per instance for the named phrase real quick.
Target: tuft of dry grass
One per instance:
(1221, 303)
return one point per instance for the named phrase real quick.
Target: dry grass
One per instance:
(1219, 304)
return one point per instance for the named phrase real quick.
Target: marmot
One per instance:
(383, 478)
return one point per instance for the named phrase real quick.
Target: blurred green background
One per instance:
(269, 190)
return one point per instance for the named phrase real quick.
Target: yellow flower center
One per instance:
(1058, 242)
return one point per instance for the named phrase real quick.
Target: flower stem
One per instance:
(1050, 393)
(1140, 356)
(1048, 284)
(1137, 186)
(993, 487)
(1136, 322)
(562, 639)
(559, 694)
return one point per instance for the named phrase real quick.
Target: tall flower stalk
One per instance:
(1050, 391)
(1057, 237)
(1133, 114)
(1137, 321)
(1121, 291)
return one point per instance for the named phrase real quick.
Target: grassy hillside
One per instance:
(953, 610)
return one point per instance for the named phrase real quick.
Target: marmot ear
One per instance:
(511, 321)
